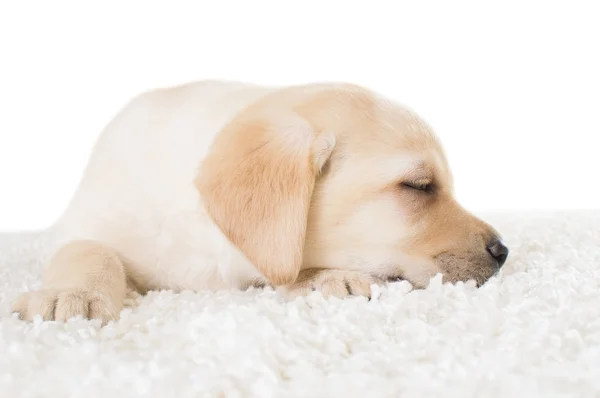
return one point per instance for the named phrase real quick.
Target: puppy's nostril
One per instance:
(500, 252)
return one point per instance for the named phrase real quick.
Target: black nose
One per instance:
(497, 249)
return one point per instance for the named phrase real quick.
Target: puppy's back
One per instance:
(139, 180)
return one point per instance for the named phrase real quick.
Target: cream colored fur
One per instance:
(220, 184)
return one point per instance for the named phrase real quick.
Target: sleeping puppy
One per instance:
(216, 185)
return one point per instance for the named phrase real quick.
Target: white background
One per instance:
(512, 88)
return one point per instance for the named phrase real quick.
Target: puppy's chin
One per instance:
(463, 267)
(419, 274)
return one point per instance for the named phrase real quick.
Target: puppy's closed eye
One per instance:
(421, 185)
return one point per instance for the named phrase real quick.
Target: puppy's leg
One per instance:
(331, 282)
(83, 278)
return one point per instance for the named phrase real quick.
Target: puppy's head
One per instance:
(335, 176)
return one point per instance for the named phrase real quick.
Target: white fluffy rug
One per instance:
(532, 332)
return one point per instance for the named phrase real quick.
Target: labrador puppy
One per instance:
(221, 184)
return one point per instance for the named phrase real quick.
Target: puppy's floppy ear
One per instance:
(256, 184)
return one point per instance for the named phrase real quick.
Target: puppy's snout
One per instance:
(498, 251)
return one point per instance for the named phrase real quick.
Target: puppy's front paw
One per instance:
(337, 283)
(60, 305)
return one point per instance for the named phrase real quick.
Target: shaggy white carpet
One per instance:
(534, 331)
